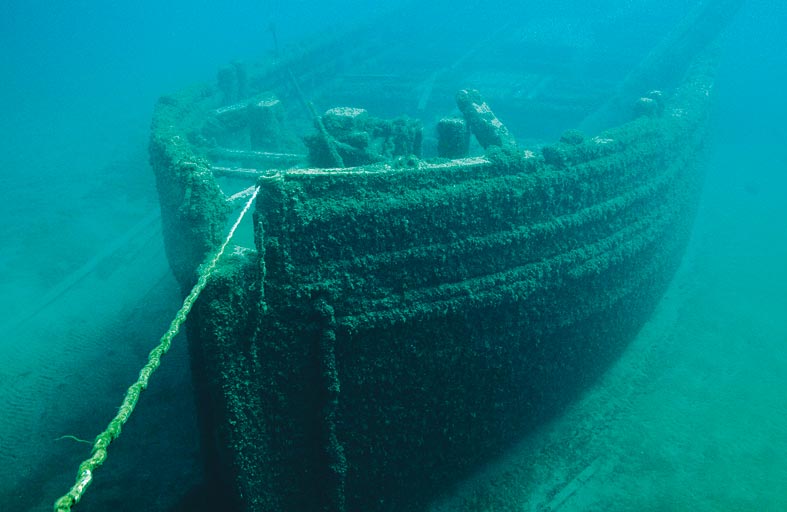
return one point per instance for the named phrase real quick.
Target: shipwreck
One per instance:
(415, 293)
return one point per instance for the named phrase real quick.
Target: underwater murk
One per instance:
(491, 257)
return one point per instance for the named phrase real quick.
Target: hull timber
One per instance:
(397, 324)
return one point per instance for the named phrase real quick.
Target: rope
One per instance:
(112, 432)
(239, 196)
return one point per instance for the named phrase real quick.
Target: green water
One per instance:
(693, 417)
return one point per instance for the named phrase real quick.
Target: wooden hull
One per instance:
(397, 325)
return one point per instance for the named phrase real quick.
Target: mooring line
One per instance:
(112, 432)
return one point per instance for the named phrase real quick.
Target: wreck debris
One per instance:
(487, 128)
(266, 124)
(232, 81)
(360, 139)
(453, 138)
